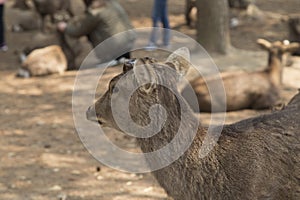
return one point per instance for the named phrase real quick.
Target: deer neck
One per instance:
(275, 68)
(179, 122)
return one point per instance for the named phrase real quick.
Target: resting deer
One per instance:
(245, 90)
(258, 158)
(44, 61)
(72, 47)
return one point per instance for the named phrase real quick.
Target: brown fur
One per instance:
(21, 4)
(45, 61)
(257, 158)
(46, 7)
(254, 90)
(189, 5)
(26, 21)
(71, 46)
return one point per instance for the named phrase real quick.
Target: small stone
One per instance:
(132, 175)
(23, 178)
(62, 197)
(100, 178)
(129, 183)
(11, 154)
(55, 188)
(148, 189)
(140, 176)
(75, 172)
(56, 170)
(40, 123)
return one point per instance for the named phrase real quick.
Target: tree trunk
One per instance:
(213, 25)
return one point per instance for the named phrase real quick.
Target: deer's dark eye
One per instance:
(115, 90)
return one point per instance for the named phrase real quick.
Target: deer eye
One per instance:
(115, 90)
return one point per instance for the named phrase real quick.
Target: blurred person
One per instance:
(101, 20)
(159, 14)
(3, 46)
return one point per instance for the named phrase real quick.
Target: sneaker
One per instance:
(4, 48)
(166, 46)
(122, 60)
(108, 64)
(151, 47)
(23, 73)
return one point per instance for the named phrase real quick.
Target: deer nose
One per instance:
(91, 114)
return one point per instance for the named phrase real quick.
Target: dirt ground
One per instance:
(41, 155)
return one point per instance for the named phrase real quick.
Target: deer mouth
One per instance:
(91, 114)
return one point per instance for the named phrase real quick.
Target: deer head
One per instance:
(278, 47)
(143, 85)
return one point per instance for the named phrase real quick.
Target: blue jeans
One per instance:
(160, 14)
(2, 27)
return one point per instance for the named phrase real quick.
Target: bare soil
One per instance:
(41, 155)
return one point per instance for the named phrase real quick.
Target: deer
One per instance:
(26, 21)
(189, 5)
(44, 61)
(244, 90)
(45, 8)
(256, 158)
(72, 47)
(21, 4)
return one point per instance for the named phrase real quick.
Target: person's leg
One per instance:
(165, 22)
(2, 27)
(155, 20)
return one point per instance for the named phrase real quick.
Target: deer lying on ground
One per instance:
(44, 61)
(71, 47)
(258, 158)
(45, 7)
(244, 90)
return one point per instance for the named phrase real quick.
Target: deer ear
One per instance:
(145, 75)
(181, 60)
(264, 44)
(128, 65)
(290, 47)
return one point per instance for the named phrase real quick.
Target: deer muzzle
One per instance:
(91, 114)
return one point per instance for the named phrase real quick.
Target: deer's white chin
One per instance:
(91, 114)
